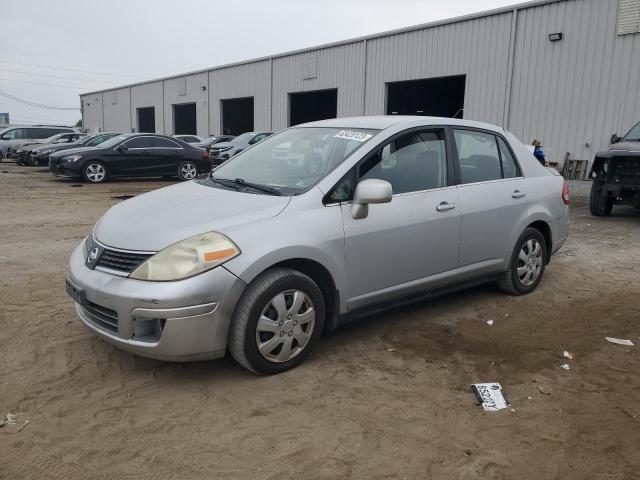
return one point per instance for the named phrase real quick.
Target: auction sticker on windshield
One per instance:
(351, 135)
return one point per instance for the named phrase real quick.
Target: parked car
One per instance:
(207, 143)
(223, 151)
(40, 154)
(191, 139)
(616, 174)
(13, 137)
(260, 256)
(131, 155)
(23, 152)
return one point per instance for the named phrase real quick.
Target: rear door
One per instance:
(169, 154)
(493, 198)
(411, 243)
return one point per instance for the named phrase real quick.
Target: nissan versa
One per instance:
(261, 256)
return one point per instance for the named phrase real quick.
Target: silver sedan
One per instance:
(264, 254)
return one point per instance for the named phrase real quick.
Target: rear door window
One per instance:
(139, 142)
(159, 142)
(478, 156)
(510, 167)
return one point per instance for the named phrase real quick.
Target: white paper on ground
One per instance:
(490, 395)
(619, 341)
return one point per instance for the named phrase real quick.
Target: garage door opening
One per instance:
(146, 120)
(311, 106)
(184, 119)
(237, 115)
(438, 97)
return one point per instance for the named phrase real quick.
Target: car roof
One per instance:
(382, 122)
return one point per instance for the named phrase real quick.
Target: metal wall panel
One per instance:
(476, 48)
(148, 95)
(340, 67)
(92, 112)
(117, 110)
(248, 80)
(573, 94)
(187, 89)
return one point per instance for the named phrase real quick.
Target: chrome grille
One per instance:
(125, 262)
(101, 316)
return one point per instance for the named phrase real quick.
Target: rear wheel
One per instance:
(600, 203)
(187, 171)
(277, 321)
(527, 264)
(94, 172)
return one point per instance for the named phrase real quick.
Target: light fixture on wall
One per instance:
(203, 88)
(556, 37)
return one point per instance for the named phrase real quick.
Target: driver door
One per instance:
(411, 243)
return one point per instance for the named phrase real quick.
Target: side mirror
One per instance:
(615, 138)
(368, 192)
(122, 149)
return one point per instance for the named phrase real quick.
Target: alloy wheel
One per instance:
(188, 171)
(530, 261)
(285, 326)
(96, 172)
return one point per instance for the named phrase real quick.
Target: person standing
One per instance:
(538, 152)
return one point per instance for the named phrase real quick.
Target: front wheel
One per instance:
(94, 172)
(277, 321)
(600, 203)
(187, 171)
(527, 264)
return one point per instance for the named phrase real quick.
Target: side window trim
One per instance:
(496, 135)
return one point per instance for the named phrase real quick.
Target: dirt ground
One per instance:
(385, 397)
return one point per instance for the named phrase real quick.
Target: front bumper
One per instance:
(173, 321)
(60, 169)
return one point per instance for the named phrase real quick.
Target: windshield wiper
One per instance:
(224, 181)
(257, 186)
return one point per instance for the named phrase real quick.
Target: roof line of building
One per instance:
(412, 28)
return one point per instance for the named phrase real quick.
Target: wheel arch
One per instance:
(545, 229)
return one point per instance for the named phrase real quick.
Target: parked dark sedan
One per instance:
(40, 154)
(23, 153)
(131, 155)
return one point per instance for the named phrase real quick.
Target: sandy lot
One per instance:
(386, 397)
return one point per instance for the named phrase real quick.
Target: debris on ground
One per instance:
(565, 366)
(619, 341)
(490, 396)
(544, 391)
(568, 355)
(391, 349)
(490, 322)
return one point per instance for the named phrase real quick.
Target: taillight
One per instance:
(565, 193)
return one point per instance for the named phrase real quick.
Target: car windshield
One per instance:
(244, 138)
(633, 135)
(294, 160)
(112, 142)
(51, 139)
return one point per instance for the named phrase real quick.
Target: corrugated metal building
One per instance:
(563, 71)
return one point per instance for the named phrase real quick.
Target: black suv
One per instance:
(616, 174)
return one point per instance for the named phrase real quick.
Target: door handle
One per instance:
(518, 194)
(445, 206)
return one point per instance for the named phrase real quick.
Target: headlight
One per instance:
(71, 158)
(187, 258)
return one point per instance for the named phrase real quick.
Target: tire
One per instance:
(187, 170)
(31, 162)
(94, 171)
(600, 203)
(526, 258)
(282, 336)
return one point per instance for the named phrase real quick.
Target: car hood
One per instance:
(222, 145)
(626, 146)
(71, 151)
(157, 219)
(30, 146)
